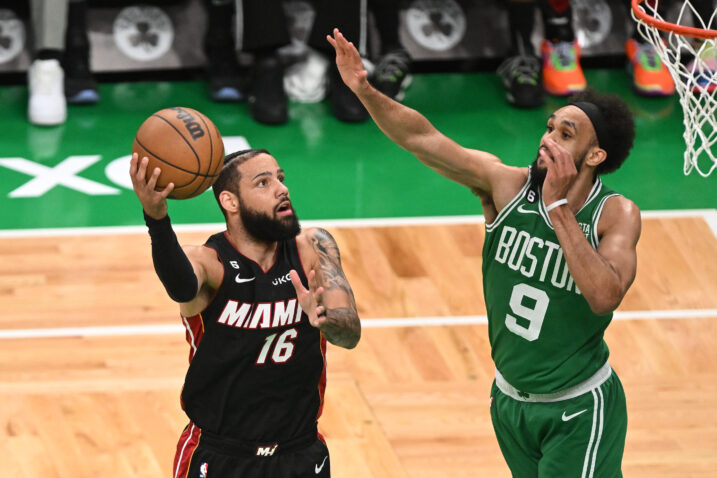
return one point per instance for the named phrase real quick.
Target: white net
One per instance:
(692, 62)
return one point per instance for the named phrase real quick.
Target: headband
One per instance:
(598, 121)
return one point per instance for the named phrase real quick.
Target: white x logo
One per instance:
(64, 173)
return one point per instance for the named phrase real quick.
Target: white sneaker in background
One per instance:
(47, 105)
(305, 81)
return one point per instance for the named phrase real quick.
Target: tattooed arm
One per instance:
(329, 302)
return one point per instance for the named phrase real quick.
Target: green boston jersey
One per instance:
(544, 337)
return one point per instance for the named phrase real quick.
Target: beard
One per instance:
(537, 174)
(265, 228)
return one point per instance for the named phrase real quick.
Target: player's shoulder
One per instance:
(506, 184)
(305, 245)
(622, 208)
(313, 237)
(202, 252)
(315, 241)
(621, 213)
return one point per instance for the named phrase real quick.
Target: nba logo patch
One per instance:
(203, 470)
(491, 402)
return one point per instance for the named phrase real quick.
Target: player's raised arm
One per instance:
(604, 274)
(181, 277)
(410, 129)
(329, 302)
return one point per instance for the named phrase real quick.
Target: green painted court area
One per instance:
(75, 175)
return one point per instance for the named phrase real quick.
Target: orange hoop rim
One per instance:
(671, 27)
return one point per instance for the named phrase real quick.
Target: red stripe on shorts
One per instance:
(188, 442)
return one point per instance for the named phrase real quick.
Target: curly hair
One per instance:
(619, 125)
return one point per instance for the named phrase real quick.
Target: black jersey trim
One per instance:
(221, 282)
(321, 386)
(276, 254)
(302, 272)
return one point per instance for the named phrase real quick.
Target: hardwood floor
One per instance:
(409, 401)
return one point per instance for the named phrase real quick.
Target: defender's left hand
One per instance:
(309, 299)
(349, 63)
(561, 171)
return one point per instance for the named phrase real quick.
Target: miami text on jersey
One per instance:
(264, 315)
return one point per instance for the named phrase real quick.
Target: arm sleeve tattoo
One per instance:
(342, 326)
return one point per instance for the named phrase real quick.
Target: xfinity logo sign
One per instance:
(68, 173)
(65, 174)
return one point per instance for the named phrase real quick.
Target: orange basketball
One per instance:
(185, 145)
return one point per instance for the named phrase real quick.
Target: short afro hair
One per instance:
(619, 125)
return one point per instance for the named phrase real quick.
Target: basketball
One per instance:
(185, 145)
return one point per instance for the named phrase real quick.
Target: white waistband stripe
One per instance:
(597, 379)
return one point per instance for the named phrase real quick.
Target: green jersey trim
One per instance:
(594, 240)
(594, 192)
(509, 207)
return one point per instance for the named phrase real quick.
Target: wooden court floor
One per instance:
(410, 401)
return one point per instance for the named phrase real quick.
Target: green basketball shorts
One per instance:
(581, 436)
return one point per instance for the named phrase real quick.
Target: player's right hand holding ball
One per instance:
(153, 202)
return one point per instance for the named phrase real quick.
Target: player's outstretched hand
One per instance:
(561, 171)
(349, 62)
(309, 299)
(153, 202)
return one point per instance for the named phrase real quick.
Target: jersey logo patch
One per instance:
(239, 280)
(282, 280)
(266, 450)
(526, 211)
(262, 315)
(585, 227)
(204, 470)
(567, 418)
(317, 468)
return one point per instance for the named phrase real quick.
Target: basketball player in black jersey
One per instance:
(259, 302)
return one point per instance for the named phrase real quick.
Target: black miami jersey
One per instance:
(257, 366)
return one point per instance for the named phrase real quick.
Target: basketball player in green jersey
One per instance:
(558, 258)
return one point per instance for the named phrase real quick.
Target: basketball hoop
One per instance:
(688, 49)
